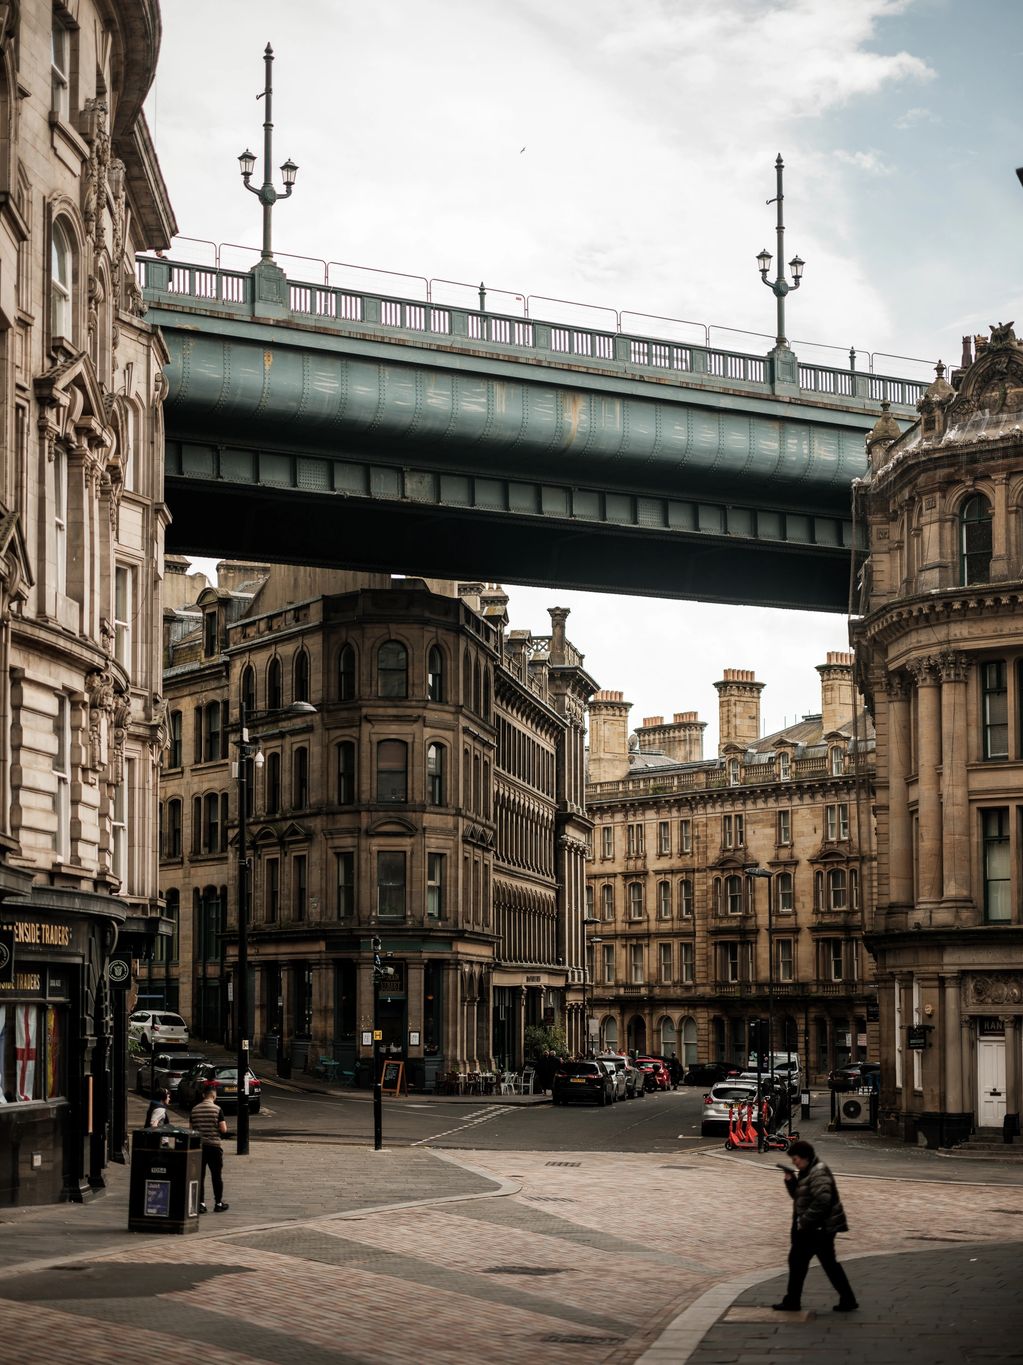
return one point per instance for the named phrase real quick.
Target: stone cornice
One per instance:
(944, 608)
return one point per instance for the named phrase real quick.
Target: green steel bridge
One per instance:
(320, 424)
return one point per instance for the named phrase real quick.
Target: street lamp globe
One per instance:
(289, 170)
(247, 163)
(796, 266)
(764, 261)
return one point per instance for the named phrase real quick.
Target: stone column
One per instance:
(928, 749)
(900, 840)
(999, 524)
(451, 1013)
(1012, 1070)
(952, 1043)
(414, 988)
(955, 730)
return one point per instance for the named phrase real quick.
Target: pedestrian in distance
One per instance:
(158, 1113)
(675, 1071)
(817, 1218)
(207, 1119)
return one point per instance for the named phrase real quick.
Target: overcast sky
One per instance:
(620, 153)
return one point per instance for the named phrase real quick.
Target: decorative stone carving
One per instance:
(994, 988)
(99, 687)
(94, 177)
(953, 666)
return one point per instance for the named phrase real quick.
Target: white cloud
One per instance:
(912, 118)
(870, 162)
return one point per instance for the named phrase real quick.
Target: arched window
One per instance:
(784, 766)
(211, 822)
(346, 673)
(392, 669)
(300, 778)
(467, 680)
(837, 761)
(667, 1031)
(175, 754)
(607, 901)
(975, 540)
(818, 890)
(392, 770)
(635, 900)
(435, 673)
(733, 895)
(477, 688)
(346, 773)
(689, 1042)
(274, 685)
(436, 765)
(300, 690)
(786, 901)
(172, 829)
(685, 898)
(272, 787)
(837, 899)
(62, 269)
(609, 1035)
(733, 772)
(486, 694)
(248, 689)
(664, 900)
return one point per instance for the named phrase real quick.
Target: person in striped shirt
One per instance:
(207, 1119)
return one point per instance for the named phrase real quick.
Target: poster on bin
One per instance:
(157, 1198)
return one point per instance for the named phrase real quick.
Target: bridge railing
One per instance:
(592, 347)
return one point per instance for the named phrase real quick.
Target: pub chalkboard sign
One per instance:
(392, 1078)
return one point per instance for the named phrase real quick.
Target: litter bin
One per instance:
(165, 1170)
(283, 1064)
(804, 1105)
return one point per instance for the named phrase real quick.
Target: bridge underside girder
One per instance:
(366, 514)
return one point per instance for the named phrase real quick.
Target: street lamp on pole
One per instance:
(266, 193)
(249, 751)
(779, 286)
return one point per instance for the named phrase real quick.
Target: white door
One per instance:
(990, 1082)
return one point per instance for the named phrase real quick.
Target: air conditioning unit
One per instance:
(855, 1110)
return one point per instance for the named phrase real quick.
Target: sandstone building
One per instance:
(940, 659)
(432, 797)
(81, 536)
(686, 947)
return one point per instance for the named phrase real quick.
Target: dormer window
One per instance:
(837, 762)
(733, 772)
(784, 766)
(209, 633)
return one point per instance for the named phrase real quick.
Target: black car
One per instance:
(225, 1078)
(855, 1076)
(587, 1081)
(708, 1073)
(163, 1071)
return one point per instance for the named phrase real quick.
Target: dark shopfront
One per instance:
(62, 1044)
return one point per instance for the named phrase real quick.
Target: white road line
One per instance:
(472, 1120)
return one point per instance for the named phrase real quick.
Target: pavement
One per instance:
(338, 1255)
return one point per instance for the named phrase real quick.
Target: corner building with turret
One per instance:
(939, 647)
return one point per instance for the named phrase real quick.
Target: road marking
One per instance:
(472, 1120)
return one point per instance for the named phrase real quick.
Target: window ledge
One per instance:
(65, 139)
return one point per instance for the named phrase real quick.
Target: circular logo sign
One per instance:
(5, 956)
(118, 971)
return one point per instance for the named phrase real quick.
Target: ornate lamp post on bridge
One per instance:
(266, 193)
(779, 286)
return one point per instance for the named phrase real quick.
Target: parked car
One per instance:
(163, 1071)
(717, 1103)
(658, 1069)
(616, 1070)
(157, 1028)
(708, 1073)
(586, 1081)
(225, 1077)
(855, 1076)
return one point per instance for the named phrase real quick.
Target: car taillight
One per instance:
(707, 1099)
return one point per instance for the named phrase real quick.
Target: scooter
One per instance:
(743, 1134)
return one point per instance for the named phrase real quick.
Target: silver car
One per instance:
(616, 1071)
(718, 1103)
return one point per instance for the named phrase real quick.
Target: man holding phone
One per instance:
(817, 1218)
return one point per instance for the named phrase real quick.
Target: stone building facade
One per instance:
(686, 948)
(940, 659)
(81, 537)
(432, 798)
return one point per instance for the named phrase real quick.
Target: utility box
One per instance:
(165, 1170)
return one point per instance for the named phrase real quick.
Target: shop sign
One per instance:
(6, 955)
(990, 1026)
(534, 979)
(119, 971)
(917, 1037)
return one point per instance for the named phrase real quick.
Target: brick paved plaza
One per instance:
(514, 1256)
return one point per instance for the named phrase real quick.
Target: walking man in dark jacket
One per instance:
(817, 1216)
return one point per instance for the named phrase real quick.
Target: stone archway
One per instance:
(636, 1035)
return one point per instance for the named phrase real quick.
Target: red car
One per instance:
(656, 1073)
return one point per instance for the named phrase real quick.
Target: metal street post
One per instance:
(267, 194)
(588, 920)
(379, 973)
(779, 286)
(763, 872)
(241, 993)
